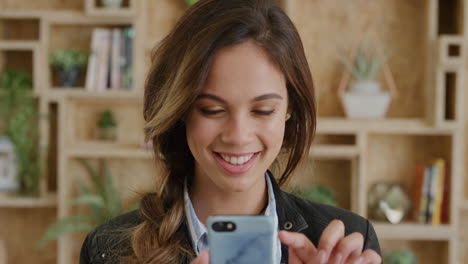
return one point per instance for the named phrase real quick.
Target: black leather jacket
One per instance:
(294, 214)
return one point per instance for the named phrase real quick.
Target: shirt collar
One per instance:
(197, 229)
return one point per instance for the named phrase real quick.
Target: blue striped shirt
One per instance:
(198, 231)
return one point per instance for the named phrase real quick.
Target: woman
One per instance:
(228, 90)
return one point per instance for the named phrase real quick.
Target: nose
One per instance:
(238, 130)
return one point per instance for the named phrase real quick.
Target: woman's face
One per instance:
(235, 128)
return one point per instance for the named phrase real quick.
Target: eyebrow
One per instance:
(256, 99)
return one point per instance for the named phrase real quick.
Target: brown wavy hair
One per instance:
(180, 65)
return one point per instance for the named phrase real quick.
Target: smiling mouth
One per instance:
(236, 159)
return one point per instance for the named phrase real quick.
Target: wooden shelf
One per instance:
(20, 14)
(68, 17)
(49, 200)
(123, 12)
(333, 151)
(18, 45)
(74, 18)
(413, 231)
(93, 151)
(386, 126)
(57, 93)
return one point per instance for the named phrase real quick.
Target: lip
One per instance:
(236, 169)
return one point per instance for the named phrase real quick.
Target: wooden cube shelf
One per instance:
(23, 56)
(427, 252)
(83, 116)
(12, 29)
(448, 108)
(336, 174)
(451, 51)
(427, 120)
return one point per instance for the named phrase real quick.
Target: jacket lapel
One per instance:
(291, 221)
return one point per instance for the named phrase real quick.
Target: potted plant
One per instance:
(403, 256)
(111, 3)
(365, 99)
(107, 126)
(20, 116)
(316, 192)
(69, 63)
(101, 198)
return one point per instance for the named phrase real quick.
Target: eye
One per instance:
(210, 112)
(264, 112)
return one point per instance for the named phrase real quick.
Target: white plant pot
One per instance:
(8, 171)
(112, 3)
(366, 105)
(365, 87)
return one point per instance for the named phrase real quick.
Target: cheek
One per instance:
(199, 133)
(273, 133)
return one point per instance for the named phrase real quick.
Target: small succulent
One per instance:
(107, 119)
(366, 64)
(67, 59)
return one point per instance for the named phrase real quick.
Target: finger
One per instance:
(348, 249)
(293, 258)
(371, 257)
(332, 234)
(203, 258)
(303, 248)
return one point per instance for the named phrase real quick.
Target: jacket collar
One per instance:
(289, 218)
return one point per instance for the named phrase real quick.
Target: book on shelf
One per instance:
(431, 193)
(110, 60)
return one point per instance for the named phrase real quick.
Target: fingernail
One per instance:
(322, 256)
(338, 258)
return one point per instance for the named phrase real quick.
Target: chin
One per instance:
(239, 183)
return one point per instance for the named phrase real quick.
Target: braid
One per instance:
(161, 236)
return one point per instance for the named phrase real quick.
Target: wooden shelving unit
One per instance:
(427, 119)
(49, 200)
(412, 231)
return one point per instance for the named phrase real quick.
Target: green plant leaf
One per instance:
(114, 201)
(76, 223)
(67, 59)
(96, 179)
(89, 199)
(97, 211)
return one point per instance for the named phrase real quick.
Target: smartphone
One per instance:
(242, 239)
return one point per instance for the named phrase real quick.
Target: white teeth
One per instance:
(233, 160)
(237, 160)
